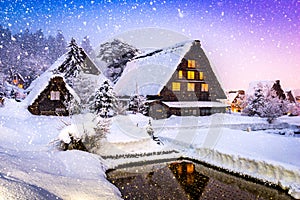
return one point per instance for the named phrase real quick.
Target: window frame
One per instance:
(180, 74)
(54, 95)
(201, 76)
(191, 75)
(189, 88)
(191, 64)
(176, 86)
(204, 87)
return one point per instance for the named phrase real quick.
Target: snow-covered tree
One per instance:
(72, 106)
(116, 54)
(74, 62)
(104, 100)
(137, 103)
(265, 103)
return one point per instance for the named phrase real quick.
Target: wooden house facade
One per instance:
(178, 81)
(50, 92)
(52, 99)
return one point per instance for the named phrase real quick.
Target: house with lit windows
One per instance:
(50, 94)
(177, 80)
(50, 97)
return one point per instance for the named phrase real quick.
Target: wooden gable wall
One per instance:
(196, 78)
(51, 100)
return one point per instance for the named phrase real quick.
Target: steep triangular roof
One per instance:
(90, 70)
(151, 71)
(43, 81)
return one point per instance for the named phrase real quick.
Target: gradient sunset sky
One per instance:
(245, 40)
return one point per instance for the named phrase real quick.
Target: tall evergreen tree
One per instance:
(104, 100)
(74, 62)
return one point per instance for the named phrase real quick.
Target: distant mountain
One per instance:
(112, 57)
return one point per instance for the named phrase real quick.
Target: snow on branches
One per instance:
(104, 100)
(266, 103)
(74, 62)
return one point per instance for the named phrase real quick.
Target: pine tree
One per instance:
(137, 103)
(104, 100)
(74, 62)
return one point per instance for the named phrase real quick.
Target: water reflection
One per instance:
(185, 180)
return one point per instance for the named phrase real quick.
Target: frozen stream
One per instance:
(187, 180)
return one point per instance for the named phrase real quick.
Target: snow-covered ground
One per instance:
(31, 167)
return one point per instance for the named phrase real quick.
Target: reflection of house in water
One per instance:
(190, 180)
(185, 180)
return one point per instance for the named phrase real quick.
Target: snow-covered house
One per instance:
(50, 96)
(18, 80)
(82, 85)
(177, 80)
(235, 100)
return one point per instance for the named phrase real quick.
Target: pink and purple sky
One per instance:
(245, 40)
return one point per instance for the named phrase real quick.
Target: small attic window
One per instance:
(191, 63)
(54, 95)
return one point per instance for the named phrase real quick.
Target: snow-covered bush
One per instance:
(84, 136)
(265, 103)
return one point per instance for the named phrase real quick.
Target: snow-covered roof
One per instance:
(194, 104)
(41, 83)
(149, 72)
(231, 96)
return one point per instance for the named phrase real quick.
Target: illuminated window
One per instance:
(176, 86)
(204, 87)
(180, 74)
(54, 95)
(191, 75)
(191, 87)
(200, 75)
(191, 63)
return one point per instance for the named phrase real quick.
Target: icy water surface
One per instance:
(186, 180)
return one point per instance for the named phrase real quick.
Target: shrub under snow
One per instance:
(84, 136)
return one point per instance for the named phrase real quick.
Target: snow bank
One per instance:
(287, 177)
(32, 168)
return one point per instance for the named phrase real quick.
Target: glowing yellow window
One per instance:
(180, 75)
(204, 87)
(175, 86)
(191, 75)
(191, 87)
(200, 75)
(191, 63)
